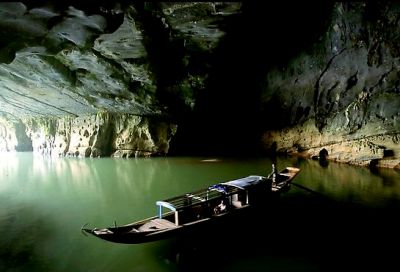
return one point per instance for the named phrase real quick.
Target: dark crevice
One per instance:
(388, 153)
(227, 113)
(317, 83)
(352, 81)
(319, 116)
(165, 55)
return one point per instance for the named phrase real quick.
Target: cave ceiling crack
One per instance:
(317, 83)
(320, 120)
(42, 102)
(7, 101)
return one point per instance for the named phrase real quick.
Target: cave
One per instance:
(199, 78)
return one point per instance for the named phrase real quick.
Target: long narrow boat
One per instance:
(197, 209)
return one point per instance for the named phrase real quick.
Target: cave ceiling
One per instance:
(72, 58)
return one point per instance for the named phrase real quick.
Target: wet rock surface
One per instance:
(344, 95)
(317, 81)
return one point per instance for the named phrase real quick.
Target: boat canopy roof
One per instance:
(245, 182)
(215, 191)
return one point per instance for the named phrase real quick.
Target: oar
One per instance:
(307, 189)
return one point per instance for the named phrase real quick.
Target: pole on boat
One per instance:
(159, 211)
(176, 218)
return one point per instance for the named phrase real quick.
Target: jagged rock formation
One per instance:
(116, 78)
(343, 95)
(99, 135)
(73, 60)
(66, 62)
(13, 136)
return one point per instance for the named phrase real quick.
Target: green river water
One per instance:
(348, 220)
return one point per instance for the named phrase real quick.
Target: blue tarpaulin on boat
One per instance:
(218, 187)
(245, 182)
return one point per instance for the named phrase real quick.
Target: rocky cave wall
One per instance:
(342, 95)
(95, 80)
(99, 135)
(115, 78)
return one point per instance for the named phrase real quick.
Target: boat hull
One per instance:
(257, 198)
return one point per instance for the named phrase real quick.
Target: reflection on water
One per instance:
(44, 202)
(352, 184)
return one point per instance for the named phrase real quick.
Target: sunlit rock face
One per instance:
(112, 79)
(343, 95)
(99, 135)
(13, 137)
(57, 62)
(71, 60)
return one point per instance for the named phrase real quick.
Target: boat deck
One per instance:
(281, 179)
(277, 187)
(157, 224)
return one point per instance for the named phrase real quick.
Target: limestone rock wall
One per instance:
(344, 94)
(99, 135)
(70, 61)
(319, 81)
(135, 136)
(306, 140)
(13, 137)
(59, 59)
(8, 140)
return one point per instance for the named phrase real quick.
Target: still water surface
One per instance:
(350, 216)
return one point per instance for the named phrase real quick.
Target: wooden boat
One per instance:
(198, 209)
